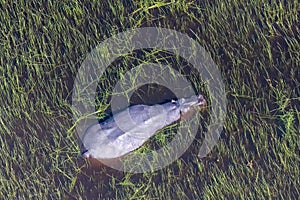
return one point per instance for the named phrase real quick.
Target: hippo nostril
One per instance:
(201, 100)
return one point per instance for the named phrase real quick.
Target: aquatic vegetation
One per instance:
(256, 45)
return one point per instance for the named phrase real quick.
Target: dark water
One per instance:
(95, 178)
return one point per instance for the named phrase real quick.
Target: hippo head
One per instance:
(188, 104)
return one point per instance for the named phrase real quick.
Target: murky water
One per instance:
(251, 86)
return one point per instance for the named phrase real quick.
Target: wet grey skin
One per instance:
(130, 128)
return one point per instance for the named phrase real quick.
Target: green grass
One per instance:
(256, 46)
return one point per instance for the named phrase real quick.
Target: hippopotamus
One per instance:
(130, 128)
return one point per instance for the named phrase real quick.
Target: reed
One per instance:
(254, 43)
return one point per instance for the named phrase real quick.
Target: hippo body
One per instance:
(130, 128)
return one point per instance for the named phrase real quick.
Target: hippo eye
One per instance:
(83, 152)
(173, 101)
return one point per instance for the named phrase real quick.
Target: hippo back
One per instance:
(128, 129)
